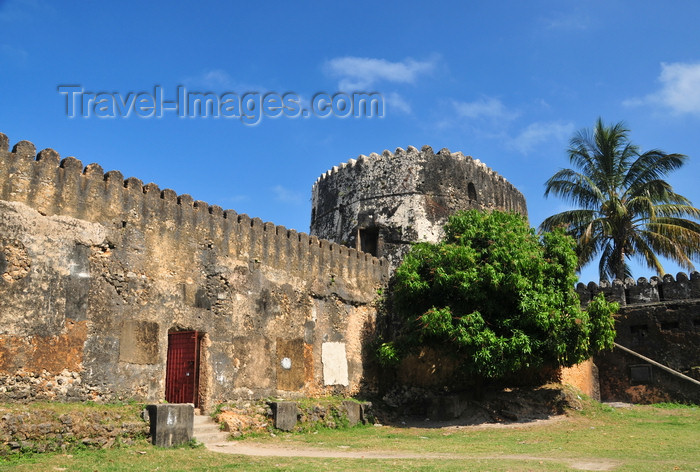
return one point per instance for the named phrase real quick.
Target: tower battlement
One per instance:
(382, 202)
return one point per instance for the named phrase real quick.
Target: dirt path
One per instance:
(259, 449)
(248, 448)
(215, 443)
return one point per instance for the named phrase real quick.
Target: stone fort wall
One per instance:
(96, 270)
(382, 203)
(659, 318)
(643, 291)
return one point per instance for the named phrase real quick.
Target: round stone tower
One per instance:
(381, 203)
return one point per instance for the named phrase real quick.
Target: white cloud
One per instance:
(569, 21)
(285, 195)
(220, 80)
(486, 107)
(361, 73)
(489, 118)
(13, 54)
(396, 103)
(680, 89)
(24, 10)
(217, 77)
(212, 79)
(538, 133)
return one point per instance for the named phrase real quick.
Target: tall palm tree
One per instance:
(625, 208)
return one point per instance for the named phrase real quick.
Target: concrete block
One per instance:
(171, 423)
(284, 415)
(353, 410)
(335, 364)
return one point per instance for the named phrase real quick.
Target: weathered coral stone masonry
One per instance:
(114, 289)
(382, 203)
(659, 319)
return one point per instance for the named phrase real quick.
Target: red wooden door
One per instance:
(182, 373)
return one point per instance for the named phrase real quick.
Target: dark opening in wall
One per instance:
(640, 374)
(369, 240)
(669, 325)
(638, 329)
(471, 192)
(638, 332)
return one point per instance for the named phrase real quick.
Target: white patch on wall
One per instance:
(313, 312)
(335, 364)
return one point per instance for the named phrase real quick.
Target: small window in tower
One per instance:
(471, 192)
(369, 238)
(639, 333)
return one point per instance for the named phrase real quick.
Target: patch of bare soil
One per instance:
(507, 408)
(281, 450)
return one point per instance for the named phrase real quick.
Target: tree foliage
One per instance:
(497, 297)
(625, 207)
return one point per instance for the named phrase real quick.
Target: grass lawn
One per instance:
(642, 438)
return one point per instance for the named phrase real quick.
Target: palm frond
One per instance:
(574, 187)
(646, 253)
(652, 165)
(568, 219)
(683, 234)
(669, 247)
(626, 207)
(677, 210)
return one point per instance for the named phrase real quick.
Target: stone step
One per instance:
(213, 426)
(203, 419)
(207, 431)
(206, 425)
(211, 437)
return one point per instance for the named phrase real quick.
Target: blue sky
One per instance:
(506, 82)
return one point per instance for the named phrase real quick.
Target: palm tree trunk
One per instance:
(620, 272)
(618, 257)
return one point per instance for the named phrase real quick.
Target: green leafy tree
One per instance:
(497, 298)
(625, 207)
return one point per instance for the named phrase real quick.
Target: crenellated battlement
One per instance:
(112, 269)
(389, 200)
(642, 291)
(66, 187)
(426, 152)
